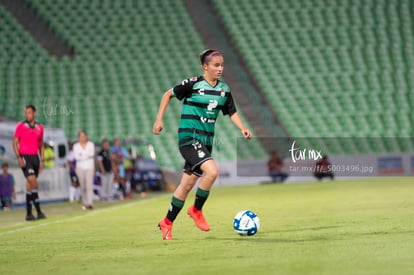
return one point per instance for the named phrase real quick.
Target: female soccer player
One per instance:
(204, 97)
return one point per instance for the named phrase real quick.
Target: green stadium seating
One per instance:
(330, 68)
(128, 53)
(339, 68)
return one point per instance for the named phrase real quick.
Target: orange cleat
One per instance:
(166, 229)
(199, 220)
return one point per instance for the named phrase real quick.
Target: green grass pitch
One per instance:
(361, 226)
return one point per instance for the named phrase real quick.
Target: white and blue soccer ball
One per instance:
(246, 223)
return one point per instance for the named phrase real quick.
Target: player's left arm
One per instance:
(236, 119)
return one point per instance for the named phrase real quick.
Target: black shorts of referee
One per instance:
(32, 164)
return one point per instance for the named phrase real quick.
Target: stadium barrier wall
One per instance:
(53, 184)
(372, 165)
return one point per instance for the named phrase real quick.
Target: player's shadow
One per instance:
(316, 228)
(259, 239)
(262, 237)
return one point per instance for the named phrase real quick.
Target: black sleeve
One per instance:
(229, 108)
(184, 89)
(99, 156)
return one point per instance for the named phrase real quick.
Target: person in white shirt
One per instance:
(84, 151)
(74, 189)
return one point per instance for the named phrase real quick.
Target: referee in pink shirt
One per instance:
(28, 147)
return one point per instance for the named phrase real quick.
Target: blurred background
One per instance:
(334, 69)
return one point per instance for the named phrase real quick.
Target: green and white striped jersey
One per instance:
(201, 107)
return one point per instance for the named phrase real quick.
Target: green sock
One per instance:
(175, 208)
(201, 197)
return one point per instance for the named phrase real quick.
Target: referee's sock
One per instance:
(201, 197)
(175, 208)
(29, 203)
(35, 198)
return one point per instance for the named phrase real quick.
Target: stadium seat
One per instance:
(347, 58)
(328, 68)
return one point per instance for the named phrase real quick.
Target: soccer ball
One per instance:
(246, 223)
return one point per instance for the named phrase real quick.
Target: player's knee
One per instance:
(212, 172)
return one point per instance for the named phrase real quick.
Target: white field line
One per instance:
(90, 214)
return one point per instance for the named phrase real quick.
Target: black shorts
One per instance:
(195, 154)
(32, 165)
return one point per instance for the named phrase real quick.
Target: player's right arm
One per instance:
(165, 100)
(16, 141)
(16, 151)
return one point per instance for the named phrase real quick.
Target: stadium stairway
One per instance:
(257, 111)
(330, 68)
(39, 29)
(113, 86)
(338, 68)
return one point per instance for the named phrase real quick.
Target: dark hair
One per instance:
(82, 131)
(206, 55)
(30, 106)
(5, 164)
